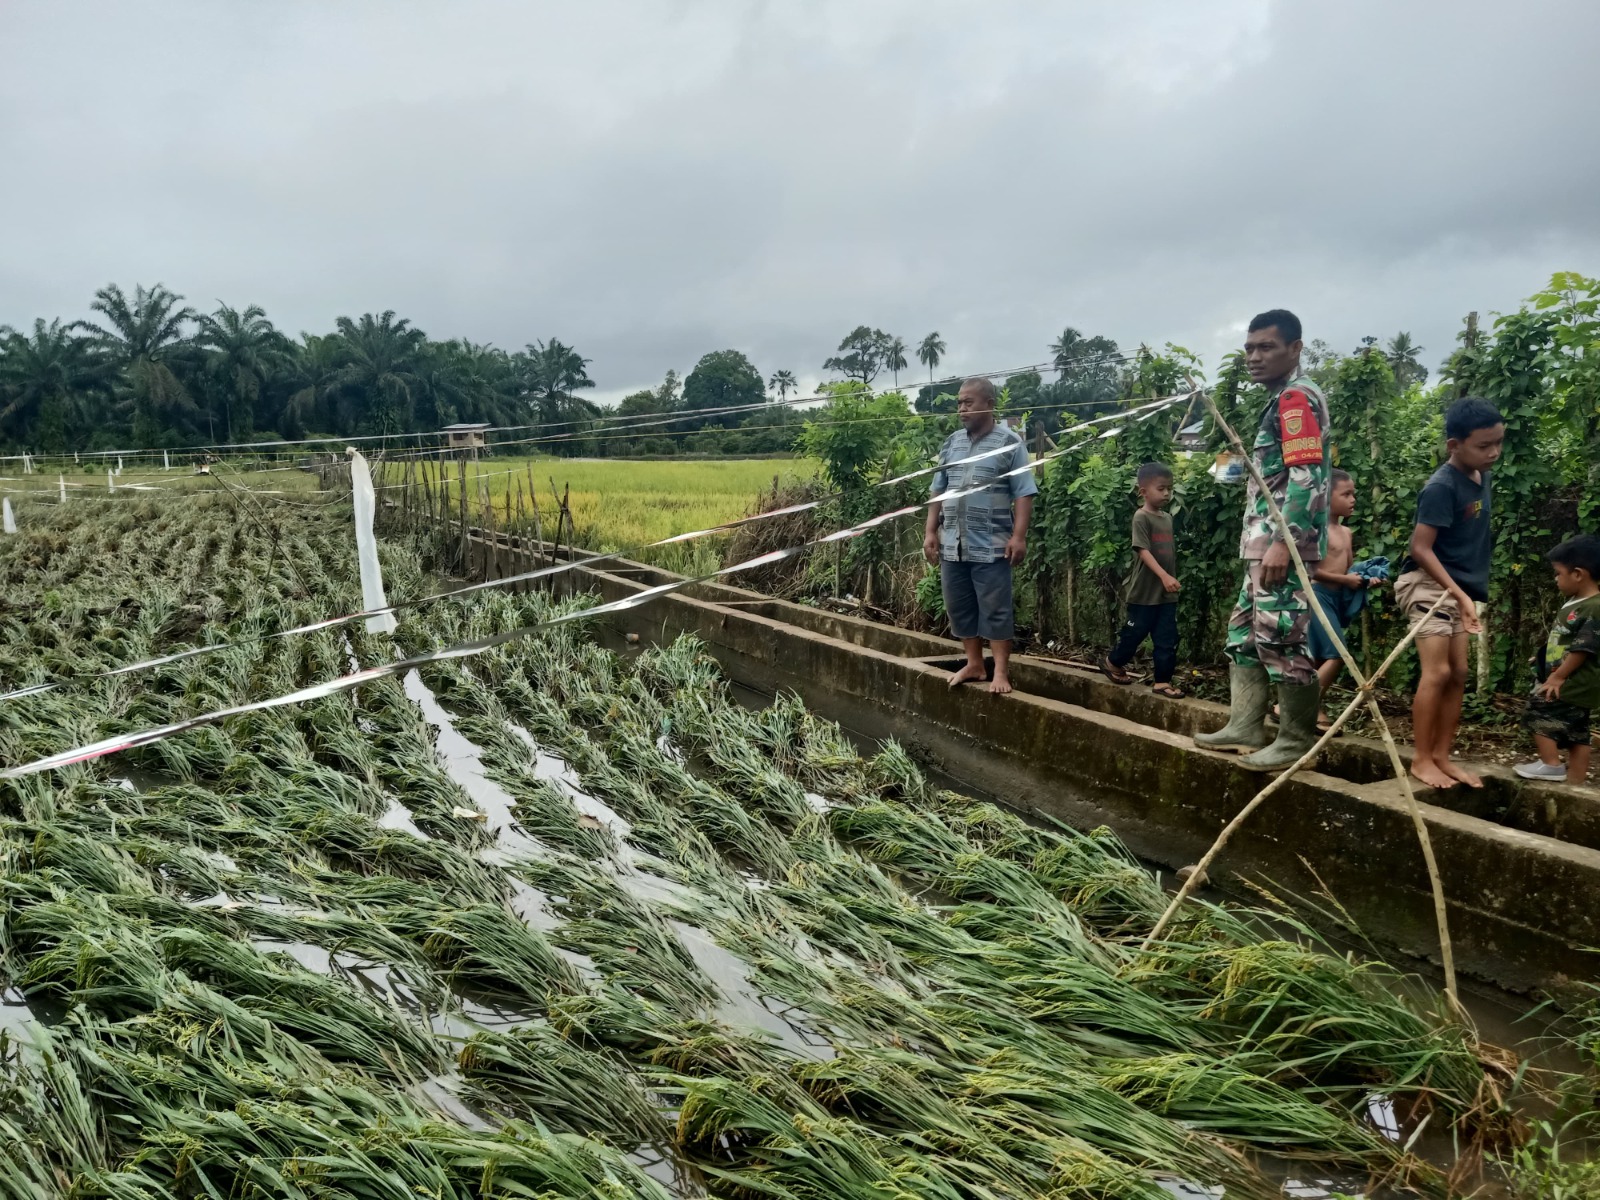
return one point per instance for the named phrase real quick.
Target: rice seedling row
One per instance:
(555, 923)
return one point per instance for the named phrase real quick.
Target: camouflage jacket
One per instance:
(1293, 455)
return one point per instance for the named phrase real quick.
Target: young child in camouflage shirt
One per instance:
(1568, 692)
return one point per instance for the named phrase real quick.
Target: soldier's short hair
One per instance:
(1282, 319)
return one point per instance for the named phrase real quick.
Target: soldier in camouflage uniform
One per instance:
(1268, 630)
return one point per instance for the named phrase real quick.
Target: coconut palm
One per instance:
(46, 382)
(245, 350)
(1067, 348)
(378, 369)
(1402, 354)
(143, 339)
(930, 350)
(784, 382)
(894, 358)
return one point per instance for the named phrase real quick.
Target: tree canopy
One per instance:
(723, 379)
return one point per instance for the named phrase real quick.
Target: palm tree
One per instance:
(245, 351)
(895, 359)
(45, 383)
(555, 371)
(930, 350)
(784, 382)
(1402, 355)
(378, 360)
(143, 340)
(487, 382)
(314, 368)
(1069, 346)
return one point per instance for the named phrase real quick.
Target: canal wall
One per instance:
(1520, 863)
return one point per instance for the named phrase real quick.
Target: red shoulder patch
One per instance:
(1298, 429)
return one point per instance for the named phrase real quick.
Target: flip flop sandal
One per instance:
(1167, 690)
(1113, 672)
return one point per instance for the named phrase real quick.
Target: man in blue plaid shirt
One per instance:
(977, 539)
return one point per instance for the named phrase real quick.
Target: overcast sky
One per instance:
(650, 181)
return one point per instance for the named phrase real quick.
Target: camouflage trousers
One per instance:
(1271, 626)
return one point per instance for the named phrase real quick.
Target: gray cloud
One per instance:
(651, 181)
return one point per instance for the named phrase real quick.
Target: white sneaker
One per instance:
(1540, 770)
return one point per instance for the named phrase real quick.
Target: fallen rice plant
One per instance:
(621, 937)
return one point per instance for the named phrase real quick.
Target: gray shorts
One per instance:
(977, 599)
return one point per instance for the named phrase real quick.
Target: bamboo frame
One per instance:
(1365, 685)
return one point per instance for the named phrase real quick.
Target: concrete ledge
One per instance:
(1523, 905)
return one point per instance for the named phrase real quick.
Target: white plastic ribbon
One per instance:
(166, 463)
(111, 482)
(10, 518)
(367, 545)
(61, 481)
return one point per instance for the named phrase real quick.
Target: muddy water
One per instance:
(463, 762)
(742, 1006)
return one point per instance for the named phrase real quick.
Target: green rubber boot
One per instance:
(1297, 728)
(1246, 730)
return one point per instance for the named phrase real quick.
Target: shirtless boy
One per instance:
(1340, 592)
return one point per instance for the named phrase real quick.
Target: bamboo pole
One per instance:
(1363, 694)
(461, 475)
(538, 525)
(566, 517)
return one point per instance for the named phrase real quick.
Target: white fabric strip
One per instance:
(365, 504)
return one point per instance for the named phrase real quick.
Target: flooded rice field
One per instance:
(550, 922)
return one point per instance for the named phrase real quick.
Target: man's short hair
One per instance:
(1150, 472)
(1581, 553)
(1468, 415)
(1338, 476)
(984, 386)
(1285, 321)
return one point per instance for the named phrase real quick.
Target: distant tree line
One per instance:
(151, 371)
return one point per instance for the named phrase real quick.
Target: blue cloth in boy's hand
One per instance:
(1373, 570)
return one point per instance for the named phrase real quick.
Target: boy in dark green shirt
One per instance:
(1568, 692)
(1153, 588)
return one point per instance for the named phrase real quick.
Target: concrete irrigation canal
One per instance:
(1520, 865)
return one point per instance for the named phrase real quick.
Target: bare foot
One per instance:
(967, 673)
(1000, 685)
(1460, 774)
(1430, 774)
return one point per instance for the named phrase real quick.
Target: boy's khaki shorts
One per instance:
(1415, 592)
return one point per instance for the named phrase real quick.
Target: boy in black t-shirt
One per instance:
(1153, 588)
(1451, 548)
